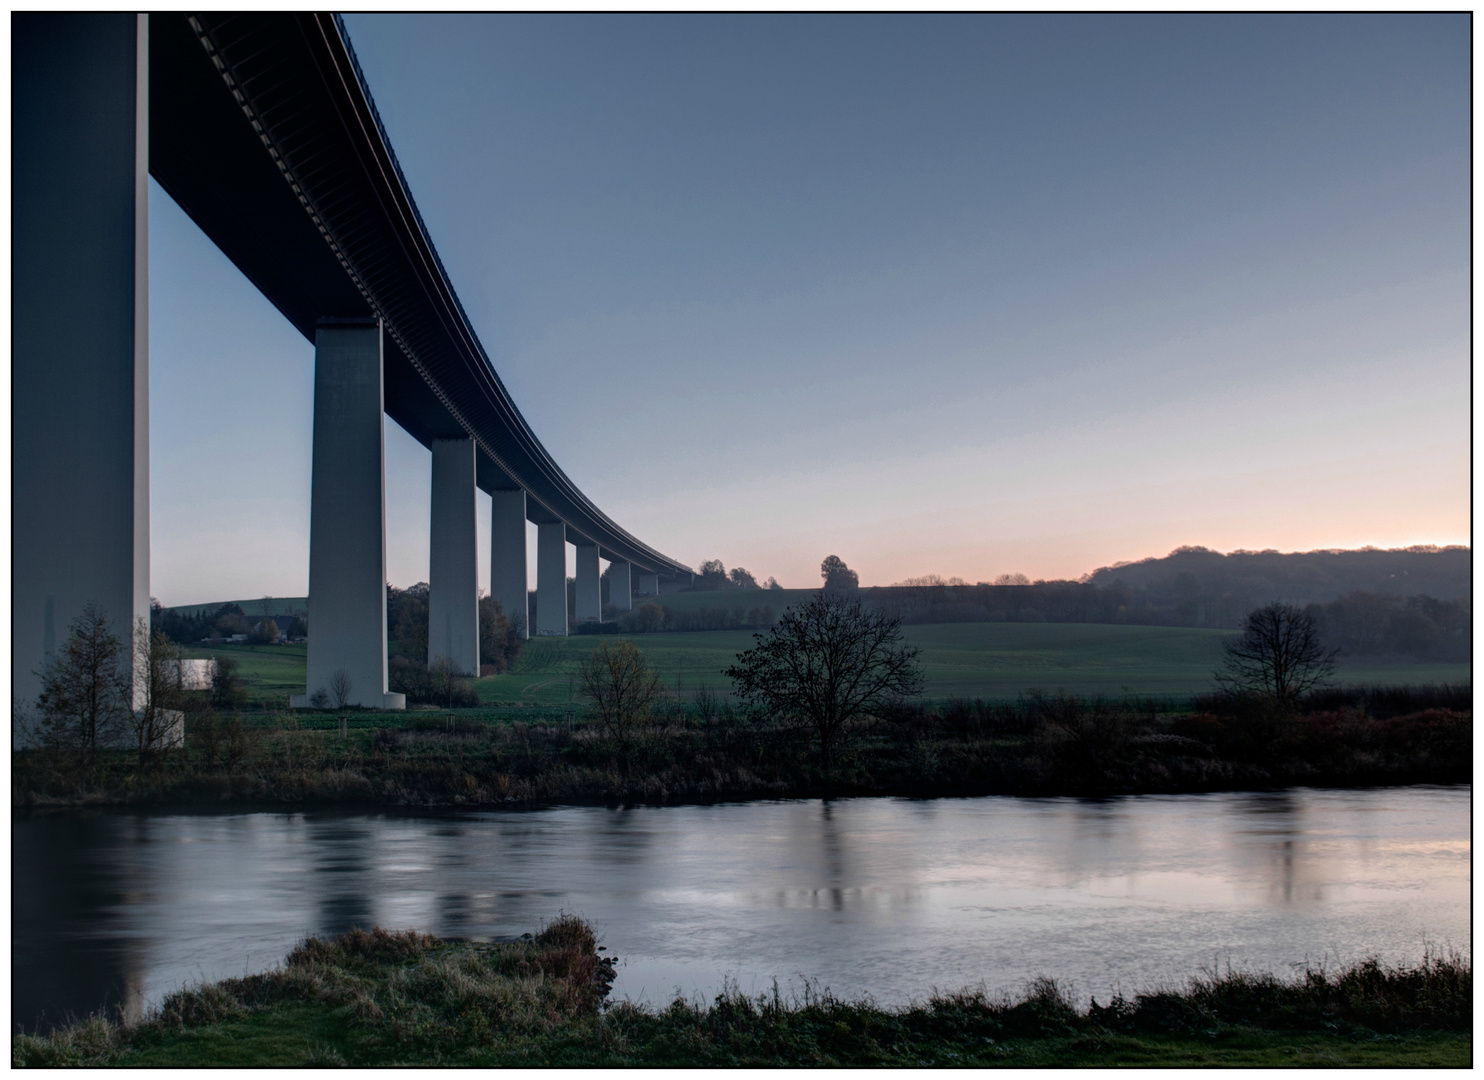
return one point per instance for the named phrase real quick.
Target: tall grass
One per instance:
(409, 998)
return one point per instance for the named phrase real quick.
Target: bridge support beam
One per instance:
(620, 592)
(589, 584)
(453, 559)
(508, 557)
(551, 579)
(347, 520)
(80, 331)
(649, 585)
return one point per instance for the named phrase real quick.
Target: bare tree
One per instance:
(620, 686)
(444, 677)
(340, 687)
(1278, 656)
(155, 721)
(827, 664)
(84, 689)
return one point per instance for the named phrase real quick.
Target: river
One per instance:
(887, 897)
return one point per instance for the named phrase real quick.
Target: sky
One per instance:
(965, 295)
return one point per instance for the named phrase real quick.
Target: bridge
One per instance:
(262, 128)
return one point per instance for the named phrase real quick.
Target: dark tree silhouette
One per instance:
(837, 576)
(827, 664)
(85, 688)
(1278, 656)
(713, 576)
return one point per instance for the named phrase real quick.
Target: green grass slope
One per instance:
(988, 660)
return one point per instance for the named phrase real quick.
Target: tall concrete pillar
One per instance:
(453, 558)
(649, 585)
(508, 557)
(551, 579)
(589, 584)
(620, 593)
(79, 332)
(347, 519)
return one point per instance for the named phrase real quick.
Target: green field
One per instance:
(989, 660)
(270, 673)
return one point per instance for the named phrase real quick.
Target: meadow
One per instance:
(994, 661)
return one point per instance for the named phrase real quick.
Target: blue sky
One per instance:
(955, 294)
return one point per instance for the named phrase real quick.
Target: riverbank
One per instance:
(383, 999)
(704, 752)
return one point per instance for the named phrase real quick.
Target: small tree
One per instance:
(155, 720)
(827, 664)
(84, 689)
(649, 618)
(227, 691)
(837, 576)
(741, 579)
(620, 686)
(340, 687)
(499, 638)
(1278, 656)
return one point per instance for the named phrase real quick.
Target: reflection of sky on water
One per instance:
(891, 897)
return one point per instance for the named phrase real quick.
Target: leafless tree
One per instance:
(620, 686)
(340, 687)
(1278, 656)
(155, 719)
(827, 664)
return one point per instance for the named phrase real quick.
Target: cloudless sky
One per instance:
(955, 294)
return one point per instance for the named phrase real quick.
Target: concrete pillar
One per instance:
(347, 519)
(551, 579)
(589, 584)
(79, 373)
(508, 557)
(649, 585)
(620, 593)
(453, 558)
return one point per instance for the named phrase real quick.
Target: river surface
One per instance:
(887, 897)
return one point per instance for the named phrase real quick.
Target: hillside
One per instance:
(1300, 577)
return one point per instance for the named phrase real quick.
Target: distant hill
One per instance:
(277, 605)
(1250, 578)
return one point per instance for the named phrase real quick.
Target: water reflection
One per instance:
(890, 897)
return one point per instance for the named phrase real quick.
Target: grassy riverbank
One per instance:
(382, 998)
(702, 751)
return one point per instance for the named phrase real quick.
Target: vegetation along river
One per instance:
(891, 897)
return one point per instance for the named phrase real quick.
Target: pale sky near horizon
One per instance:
(965, 295)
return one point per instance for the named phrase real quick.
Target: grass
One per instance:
(270, 673)
(990, 660)
(381, 999)
(253, 606)
(703, 751)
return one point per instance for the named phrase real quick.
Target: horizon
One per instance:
(1084, 577)
(965, 295)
